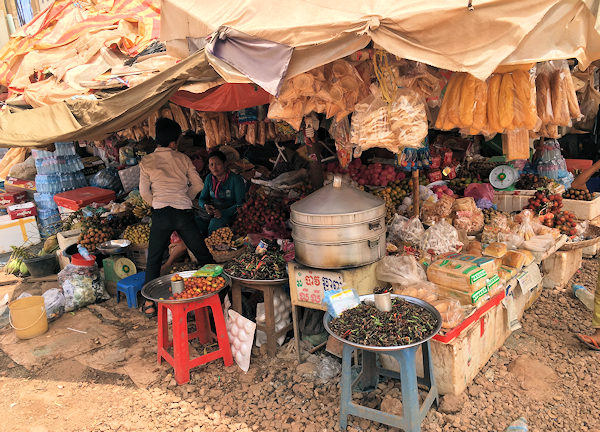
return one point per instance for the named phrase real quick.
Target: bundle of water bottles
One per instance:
(58, 171)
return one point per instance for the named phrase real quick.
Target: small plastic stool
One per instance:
(180, 360)
(130, 286)
(412, 413)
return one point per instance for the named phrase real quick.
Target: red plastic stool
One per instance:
(180, 360)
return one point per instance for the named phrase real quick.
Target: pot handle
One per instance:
(373, 243)
(374, 225)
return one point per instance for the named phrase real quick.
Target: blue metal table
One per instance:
(413, 413)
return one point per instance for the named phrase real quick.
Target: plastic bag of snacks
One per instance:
(402, 270)
(340, 131)
(81, 286)
(441, 238)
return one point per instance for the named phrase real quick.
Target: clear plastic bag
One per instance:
(512, 240)
(451, 311)
(81, 286)
(401, 270)
(526, 230)
(441, 238)
(54, 301)
(423, 290)
(412, 231)
(340, 131)
(329, 368)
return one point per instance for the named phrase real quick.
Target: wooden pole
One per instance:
(415, 185)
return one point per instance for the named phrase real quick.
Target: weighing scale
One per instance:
(504, 177)
(116, 266)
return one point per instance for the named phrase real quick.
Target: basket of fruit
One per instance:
(222, 247)
(589, 238)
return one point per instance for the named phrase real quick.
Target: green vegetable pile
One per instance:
(252, 266)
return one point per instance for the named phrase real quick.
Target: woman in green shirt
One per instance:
(221, 196)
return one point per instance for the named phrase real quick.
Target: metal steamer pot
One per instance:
(338, 226)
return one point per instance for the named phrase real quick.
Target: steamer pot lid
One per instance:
(337, 198)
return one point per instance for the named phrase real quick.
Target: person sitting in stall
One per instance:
(169, 182)
(223, 193)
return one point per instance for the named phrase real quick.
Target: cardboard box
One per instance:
(14, 184)
(67, 238)
(18, 232)
(10, 198)
(18, 211)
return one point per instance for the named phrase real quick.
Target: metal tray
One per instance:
(250, 282)
(114, 247)
(157, 290)
(370, 298)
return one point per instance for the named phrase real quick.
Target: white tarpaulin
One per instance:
(442, 33)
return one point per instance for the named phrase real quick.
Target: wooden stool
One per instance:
(267, 288)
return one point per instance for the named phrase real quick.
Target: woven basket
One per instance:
(592, 231)
(224, 256)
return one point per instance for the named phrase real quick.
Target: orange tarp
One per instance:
(61, 35)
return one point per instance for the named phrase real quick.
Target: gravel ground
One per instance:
(542, 373)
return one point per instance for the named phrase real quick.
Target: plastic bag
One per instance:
(25, 170)
(108, 178)
(469, 221)
(81, 286)
(329, 368)
(412, 231)
(539, 243)
(480, 190)
(423, 290)
(590, 102)
(441, 238)
(451, 311)
(340, 131)
(512, 240)
(526, 229)
(402, 270)
(54, 301)
(515, 144)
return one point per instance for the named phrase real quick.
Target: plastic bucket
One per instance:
(42, 265)
(28, 317)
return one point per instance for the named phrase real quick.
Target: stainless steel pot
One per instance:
(338, 226)
(340, 255)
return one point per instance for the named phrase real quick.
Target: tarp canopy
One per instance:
(73, 41)
(226, 97)
(442, 33)
(95, 119)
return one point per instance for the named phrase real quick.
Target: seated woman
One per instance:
(223, 193)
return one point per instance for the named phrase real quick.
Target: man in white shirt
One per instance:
(169, 182)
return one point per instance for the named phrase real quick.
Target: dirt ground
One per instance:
(95, 370)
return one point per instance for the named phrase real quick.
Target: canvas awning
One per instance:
(442, 33)
(84, 119)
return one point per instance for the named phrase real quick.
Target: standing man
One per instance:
(169, 182)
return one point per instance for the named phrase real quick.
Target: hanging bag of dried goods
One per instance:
(408, 119)
(515, 144)
(340, 131)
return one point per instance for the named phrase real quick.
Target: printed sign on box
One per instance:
(311, 284)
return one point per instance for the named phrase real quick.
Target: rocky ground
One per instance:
(542, 373)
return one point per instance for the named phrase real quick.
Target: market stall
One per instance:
(366, 175)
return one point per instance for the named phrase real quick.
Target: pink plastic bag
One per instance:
(478, 191)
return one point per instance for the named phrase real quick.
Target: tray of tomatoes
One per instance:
(195, 287)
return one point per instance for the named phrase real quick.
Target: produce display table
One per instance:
(413, 413)
(158, 291)
(267, 287)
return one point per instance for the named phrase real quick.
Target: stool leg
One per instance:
(129, 302)
(221, 329)
(202, 326)
(118, 296)
(428, 370)
(346, 385)
(369, 375)
(133, 298)
(163, 330)
(270, 321)
(410, 391)
(181, 349)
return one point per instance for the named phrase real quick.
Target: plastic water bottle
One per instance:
(585, 295)
(519, 425)
(84, 253)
